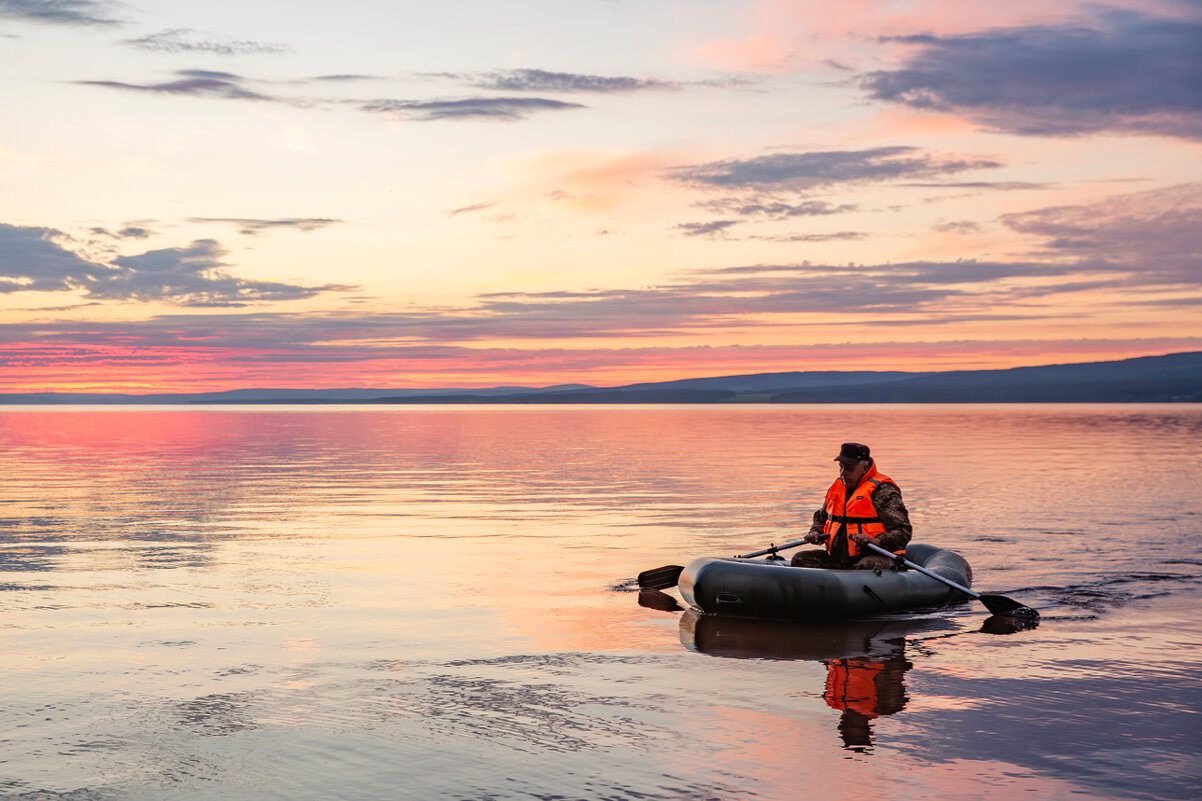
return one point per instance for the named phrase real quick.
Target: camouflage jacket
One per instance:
(887, 500)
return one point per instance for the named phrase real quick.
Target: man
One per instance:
(863, 505)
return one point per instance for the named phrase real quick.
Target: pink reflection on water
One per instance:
(454, 582)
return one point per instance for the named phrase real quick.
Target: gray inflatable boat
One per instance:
(770, 588)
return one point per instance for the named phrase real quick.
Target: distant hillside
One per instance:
(1173, 378)
(1176, 377)
(622, 395)
(779, 382)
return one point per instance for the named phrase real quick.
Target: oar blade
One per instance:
(660, 578)
(1008, 607)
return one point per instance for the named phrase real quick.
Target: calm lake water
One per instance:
(439, 603)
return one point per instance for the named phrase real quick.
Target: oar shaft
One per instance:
(923, 570)
(773, 549)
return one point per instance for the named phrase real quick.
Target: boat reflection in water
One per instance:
(865, 659)
(654, 599)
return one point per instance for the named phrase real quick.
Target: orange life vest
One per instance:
(856, 511)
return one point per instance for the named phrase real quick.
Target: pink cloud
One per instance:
(785, 35)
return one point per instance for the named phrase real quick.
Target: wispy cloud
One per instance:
(469, 209)
(252, 226)
(1131, 73)
(346, 78)
(128, 232)
(775, 209)
(837, 236)
(186, 40)
(195, 83)
(229, 86)
(998, 186)
(712, 228)
(816, 169)
(60, 12)
(1158, 233)
(536, 80)
(958, 227)
(504, 109)
(39, 259)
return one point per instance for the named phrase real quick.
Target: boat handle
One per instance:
(728, 598)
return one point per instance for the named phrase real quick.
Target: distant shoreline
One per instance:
(578, 403)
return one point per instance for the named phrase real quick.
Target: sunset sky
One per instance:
(207, 196)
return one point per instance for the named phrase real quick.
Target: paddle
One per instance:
(997, 604)
(772, 549)
(660, 578)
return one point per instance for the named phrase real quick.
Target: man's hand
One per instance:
(813, 537)
(860, 538)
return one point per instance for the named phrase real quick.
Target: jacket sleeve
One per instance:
(819, 520)
(887, 500)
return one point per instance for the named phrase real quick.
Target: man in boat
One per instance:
(863, 505)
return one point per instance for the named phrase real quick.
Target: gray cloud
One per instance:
(776, 209)
(470, 209)
(958, 227)
(1158, 233)
(535, 80)
(506, 109)
(1132, 73)
(740, 296)
(228, 86)
(190, 276)
(128, 232)
(705, 228)
(38, 259)
(837, 236)
(62, 12)
(1000, 186)
(252, 226)
(345, 78)
(805, 171)
(32, 259)
(196, 83)
(186, 40)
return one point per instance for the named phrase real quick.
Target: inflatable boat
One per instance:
(771, 588)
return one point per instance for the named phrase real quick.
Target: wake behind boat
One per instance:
(770, 588)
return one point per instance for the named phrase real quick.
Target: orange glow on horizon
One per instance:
(167, 370)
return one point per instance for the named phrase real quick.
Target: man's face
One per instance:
(852, 473)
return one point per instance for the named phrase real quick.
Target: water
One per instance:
(438, 603)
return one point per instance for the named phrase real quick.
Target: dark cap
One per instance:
(853, 452)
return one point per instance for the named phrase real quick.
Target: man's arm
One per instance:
(889, 507)
(819, 523)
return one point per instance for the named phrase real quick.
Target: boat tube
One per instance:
(771, 588)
